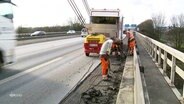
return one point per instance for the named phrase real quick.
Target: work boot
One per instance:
(104, 77)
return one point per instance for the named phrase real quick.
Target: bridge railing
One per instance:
(165, 56)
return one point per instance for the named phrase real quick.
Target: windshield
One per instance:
(6, 10)
(104, 20)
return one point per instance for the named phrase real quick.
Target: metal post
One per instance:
(173, 70)
(149, 51)
(165, 63)
(183, 92)
(152, 54)
(149, 47)
(155, 57)
(159, 56)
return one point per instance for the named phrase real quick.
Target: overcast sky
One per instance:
(34, 13)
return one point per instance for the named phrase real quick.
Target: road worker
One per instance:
(131, 42)
(104, 57)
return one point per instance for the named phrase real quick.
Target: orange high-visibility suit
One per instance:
(104, 57)
(131, 43)
(104, 63)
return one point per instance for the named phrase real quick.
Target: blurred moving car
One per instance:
(38, 33)
(84, 32)
(71, 32)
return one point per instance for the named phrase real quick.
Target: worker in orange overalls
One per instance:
(104, 57)
(131, 43)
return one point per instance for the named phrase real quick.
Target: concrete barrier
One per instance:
(126, 90)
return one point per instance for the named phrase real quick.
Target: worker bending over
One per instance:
(104, 57)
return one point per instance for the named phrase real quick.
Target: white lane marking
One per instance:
(28, 71)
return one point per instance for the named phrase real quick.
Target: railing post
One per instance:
(173, 70)
(146, 44)
(165, 63)
(149, 47)
(155, 56)
(159, 57)
(152, 46)
(183, 92)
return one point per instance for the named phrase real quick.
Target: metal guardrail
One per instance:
(138, 86)
(26, 36)
(159, 52)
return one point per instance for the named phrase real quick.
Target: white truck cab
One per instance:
(7, 33)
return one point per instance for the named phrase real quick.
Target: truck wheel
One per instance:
(87, 54)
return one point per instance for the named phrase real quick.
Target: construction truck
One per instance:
(7, 33)
(104, 23)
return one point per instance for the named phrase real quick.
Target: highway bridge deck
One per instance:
(95, 91)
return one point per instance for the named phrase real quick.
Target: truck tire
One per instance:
(87, 54)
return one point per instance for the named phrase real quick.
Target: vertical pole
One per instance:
(165, 63)
(183, 92)
(147, 45)
(152, 47)
(155, 57)
(159, 56)
(173, 70)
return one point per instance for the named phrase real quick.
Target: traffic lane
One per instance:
(30, 62)
(27, 50)
(49, 84)
(39, 57)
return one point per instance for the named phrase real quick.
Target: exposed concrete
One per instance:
(126, 90)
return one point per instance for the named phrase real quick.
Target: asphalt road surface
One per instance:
(45, 72)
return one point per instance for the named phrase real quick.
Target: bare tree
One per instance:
(176, 33)
(75, 24)
(181, 20)
(174, 21)
(159, 23)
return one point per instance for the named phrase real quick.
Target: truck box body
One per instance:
(102, 22)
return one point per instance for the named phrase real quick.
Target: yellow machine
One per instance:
(93, 43)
